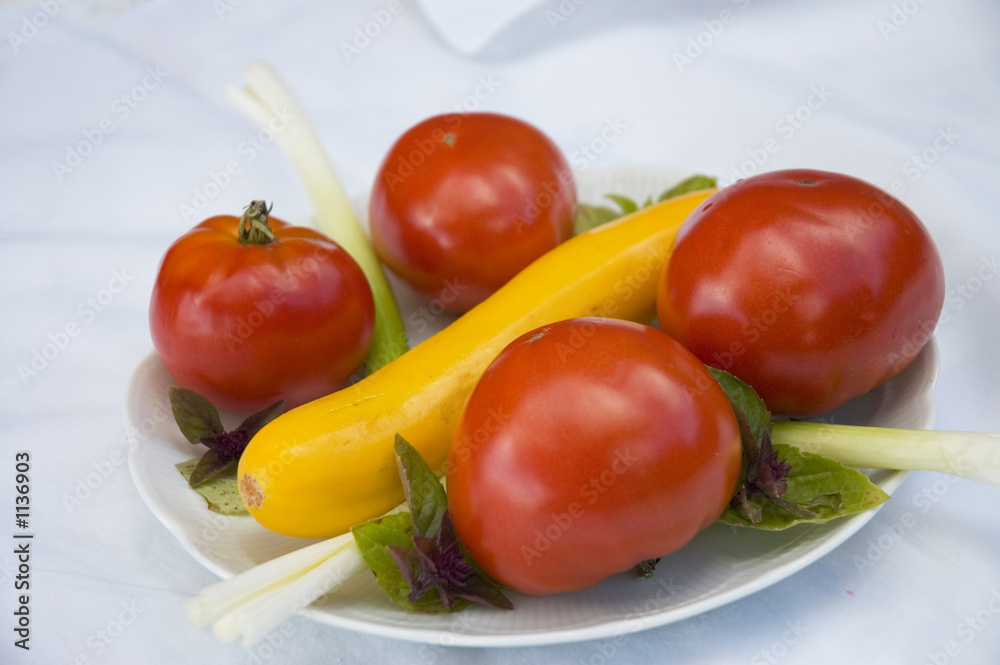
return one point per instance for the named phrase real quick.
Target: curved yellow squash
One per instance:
(325, 466)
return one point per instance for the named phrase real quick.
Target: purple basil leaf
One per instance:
(771, 471)
(409, 564)
(195, 415)
(208, 467)
(484, 592)
(199, 422)
(436, 560)
(228, 446)
(253, 423)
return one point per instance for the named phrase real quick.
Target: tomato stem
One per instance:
(254, 229)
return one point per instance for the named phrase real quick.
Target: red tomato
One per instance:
(248, 324)
(812, 287)
(463, 202)
(587, 447)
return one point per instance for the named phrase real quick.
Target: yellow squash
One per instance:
(328, 465)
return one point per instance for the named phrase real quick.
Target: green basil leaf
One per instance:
(627, 205)
(425, 495)
(781, 486)
(693, 184)
(374, 538)
(826, 488)
(744, 397)
(589, 216)
(195, 415)
(221, 493)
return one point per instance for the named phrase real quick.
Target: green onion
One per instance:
(265, 97)
(258, 600)
(972, 455)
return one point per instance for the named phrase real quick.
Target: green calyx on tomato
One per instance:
(813, 287)
(254, 229)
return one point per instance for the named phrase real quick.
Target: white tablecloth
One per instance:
(113, 127)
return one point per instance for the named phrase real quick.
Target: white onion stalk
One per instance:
(972, 455)
(265, 98)
(256, 601)
(259, 599)
(256, 618)
(223, 597)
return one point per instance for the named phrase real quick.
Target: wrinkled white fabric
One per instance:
(115, 137)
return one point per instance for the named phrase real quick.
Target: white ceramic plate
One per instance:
(720, 565)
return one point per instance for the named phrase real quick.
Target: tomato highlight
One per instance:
(463, 202)
(813, 287)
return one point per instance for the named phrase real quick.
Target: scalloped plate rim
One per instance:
(595, 179)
